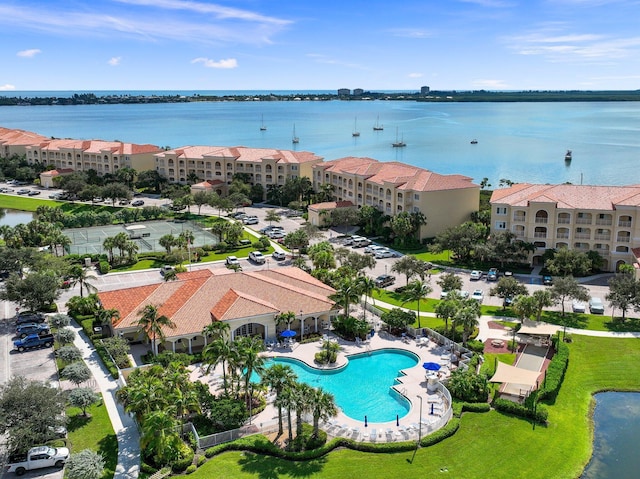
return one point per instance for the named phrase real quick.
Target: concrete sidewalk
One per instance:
(124, 426)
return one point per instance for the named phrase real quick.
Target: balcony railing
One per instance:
(624, 240)
(519, 218)
(624, 224)
(539, 235)
(583, 235)
(583, 221)
(562, 235)
(541, 220)
(519, 234)
(602, 237)
(602, 249)
(603, 222)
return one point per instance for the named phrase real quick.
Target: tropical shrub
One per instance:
(468, 386)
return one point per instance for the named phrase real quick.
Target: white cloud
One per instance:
(411, 33)
(415, 75)
(114, 61)
(488, 84)
(29, 53)
(223, 64)
(7, 87)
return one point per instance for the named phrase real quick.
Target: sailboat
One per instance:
(355, 128)
(378, 126)
(398, 143)
(262, 127)
(294, 138)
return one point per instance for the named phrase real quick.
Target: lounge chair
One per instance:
(390, 436)
(373, 435)
(355, 433)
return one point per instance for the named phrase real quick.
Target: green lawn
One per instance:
(95, 433)
(25, 204)
(487, 445)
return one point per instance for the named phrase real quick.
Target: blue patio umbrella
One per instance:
(429, 366)
(288, 333)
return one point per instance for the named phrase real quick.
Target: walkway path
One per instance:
(124, 426)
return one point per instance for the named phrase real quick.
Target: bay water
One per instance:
(521, 142)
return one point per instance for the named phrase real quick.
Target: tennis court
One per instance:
(146, 234)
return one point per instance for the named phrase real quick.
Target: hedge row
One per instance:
(87, 326)
(539, 415)
(555, 374)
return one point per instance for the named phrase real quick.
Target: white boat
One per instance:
(378, 126)
(294, 138)
(474, 142)
(567, 156)
(355, 128)
(399, 143)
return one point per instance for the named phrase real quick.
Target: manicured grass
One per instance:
(487, 445)
(25, 204)
(95, 433)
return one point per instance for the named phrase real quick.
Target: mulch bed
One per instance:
(496, 325)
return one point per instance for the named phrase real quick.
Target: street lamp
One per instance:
(301, 325)
(420, 423)
(250, 400)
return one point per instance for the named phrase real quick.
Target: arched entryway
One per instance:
(618, 264)
(250, 329)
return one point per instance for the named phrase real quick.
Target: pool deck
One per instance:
(412, 385)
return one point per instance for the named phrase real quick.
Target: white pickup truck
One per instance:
(38, 458)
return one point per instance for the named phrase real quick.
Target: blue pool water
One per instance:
(363, 387)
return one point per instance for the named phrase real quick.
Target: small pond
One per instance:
(14, 217)
(616, 436)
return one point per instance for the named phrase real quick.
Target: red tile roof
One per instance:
(331, 205)
(240, 153)
(566, 196)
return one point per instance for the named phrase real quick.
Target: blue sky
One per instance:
(309, 44)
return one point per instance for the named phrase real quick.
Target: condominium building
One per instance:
(583, 218)
(14, 142)
(99, 155)
(264, 166)
(393, 187)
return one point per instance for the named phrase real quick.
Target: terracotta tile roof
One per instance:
(569, 196)
(400, 175)
(9, 136)
(240, 153)
(60, 171)
(196, 298)
(331, 205)
(94, 146)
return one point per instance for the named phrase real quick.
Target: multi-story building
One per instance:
(101, 156)
(583, 218)
(264, 166)
(393, 187)
(14, 142)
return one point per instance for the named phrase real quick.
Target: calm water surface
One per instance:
(13, 217)
(615, 447)
(517, 141)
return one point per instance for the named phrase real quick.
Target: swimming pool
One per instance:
(363, 386)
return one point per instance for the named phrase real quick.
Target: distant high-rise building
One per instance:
(358, 91)
(344, 92)
(424, 90)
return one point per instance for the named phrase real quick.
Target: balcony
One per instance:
(583, 221)
(519, 218)
(542, 220)
(519, 234)
(583, 235)
(601, 222)
(624, 224)
(624, 240)
(562, 236)
(539, 235)
(602, 237)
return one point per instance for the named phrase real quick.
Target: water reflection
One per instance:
(616, 435)
(14, 217)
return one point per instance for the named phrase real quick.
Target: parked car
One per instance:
(55, 196)
(384, 280)
(279, 255)
(33, 193)
(23, 191)
(137, 203)
(276, 234)
(578, 306)
(124, 202)
(250, 220)
(475, 275)
(165, 269)
(461, 294)
(266, 229)
(33, 341)
(384, 253)
(257, 257)
(596, 306)
(478, 295)
(547, 280)
(25, 317)
(492, 275)
(372, 248)
(231, 260)
(38, 458)
(24, 330)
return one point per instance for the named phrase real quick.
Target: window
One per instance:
(416, 196)
(501, 210)
(501, 225)
(294, 167)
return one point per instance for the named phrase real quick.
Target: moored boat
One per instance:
(568, 156)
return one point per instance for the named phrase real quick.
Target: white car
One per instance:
(461, 294)
(478, 295)
(384, 253)
(250, 220)
(578, 306)
(231, 260)
(276, 234)
(257, 257)
(279, 255)
(476, 275)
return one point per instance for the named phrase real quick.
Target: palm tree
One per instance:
(367, 287)
(301, 400)
(82, 276)
(416, 291)
(272, 216)
(216, 330)
(447, 309)
(153, 325)
(159, 436)
(109, 244)
(251, 361)
(467, 316)
(348, 292)
(219, 351)
(285, 318)
(167, 241)
(278, 377)
(286, 400)
(322, 406)
(106, 316)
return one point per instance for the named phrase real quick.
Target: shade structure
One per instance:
(429, 366)
(511, 374)
(288, 333)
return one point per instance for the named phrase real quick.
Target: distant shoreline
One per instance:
(477, 96)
